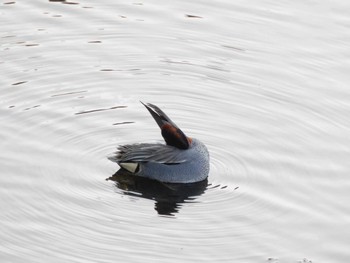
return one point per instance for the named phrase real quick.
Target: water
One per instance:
(263, 84)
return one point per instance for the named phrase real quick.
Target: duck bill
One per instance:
(158, 115)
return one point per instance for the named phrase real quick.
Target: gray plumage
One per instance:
(149, 152)
(166, 163)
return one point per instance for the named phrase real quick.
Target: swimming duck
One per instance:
(181, 160)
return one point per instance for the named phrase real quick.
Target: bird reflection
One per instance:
(168, 197)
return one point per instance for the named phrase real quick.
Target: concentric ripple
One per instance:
(264, 86)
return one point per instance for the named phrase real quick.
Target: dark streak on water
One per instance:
(193, 16)
(124, 122)
(109, 69)
(235, 48)
(31, 45)
(69, 93)
(70, 3)
(97, 110)
(19, 83)
(64, 2)
(35, 106)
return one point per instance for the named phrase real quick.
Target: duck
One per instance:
(181, 159)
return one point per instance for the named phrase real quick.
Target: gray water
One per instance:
(264, 84)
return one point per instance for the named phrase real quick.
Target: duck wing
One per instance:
(148, 152)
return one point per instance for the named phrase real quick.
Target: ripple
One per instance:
(273, 112)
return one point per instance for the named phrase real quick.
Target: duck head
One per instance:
(171, 133)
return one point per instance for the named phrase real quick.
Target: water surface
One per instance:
(263, 84)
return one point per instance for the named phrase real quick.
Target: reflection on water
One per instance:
(168, 197)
